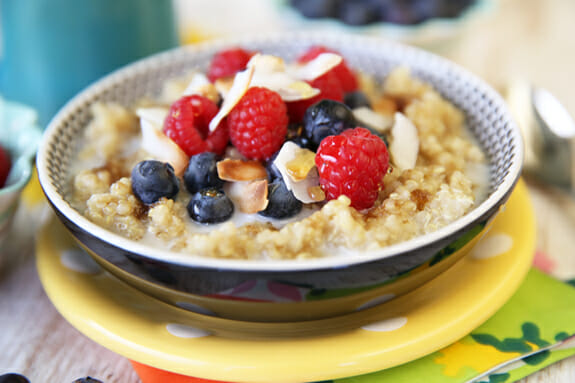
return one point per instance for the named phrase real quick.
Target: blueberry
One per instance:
(202, 173)
(314, 9)
(326, 118)
(152, 180)
(281, 201)
(296, 135)
(13, 378)
(87, 379)
(356, 99)
(210, 206)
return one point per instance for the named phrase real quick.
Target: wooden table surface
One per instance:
(532, 40)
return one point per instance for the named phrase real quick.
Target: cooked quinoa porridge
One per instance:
(260, 158)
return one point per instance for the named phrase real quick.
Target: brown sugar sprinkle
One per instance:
(420, 197)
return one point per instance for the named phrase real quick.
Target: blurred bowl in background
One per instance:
(19, 135)
(426, 23)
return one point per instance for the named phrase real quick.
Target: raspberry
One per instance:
(345, 75)
(188, 122)
(228, 62)
(5, 165)
(352, 164)
(330, 88)
(258, 123)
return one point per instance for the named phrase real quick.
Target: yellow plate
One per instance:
(408, 327)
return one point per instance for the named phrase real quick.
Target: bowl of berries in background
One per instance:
(19, 138)
(240, 179)
(425, 23)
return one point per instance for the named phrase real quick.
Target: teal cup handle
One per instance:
(52, 49)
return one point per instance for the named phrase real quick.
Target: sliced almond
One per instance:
(299, 167)
(379, 122)
(300, 189)
(315, 68)
(404, 145)
(161, 147)
(156, 115)
(200, 85)
(270, 72)
(240, 170)
(250, 196)
(240, 86)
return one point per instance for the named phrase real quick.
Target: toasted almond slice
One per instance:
(299, 167)
(300, 189)
(270, 72)
(379, 122)
(239, 170)
(250, 196)
(200, 85)
(155, 115)
(197, 82)
(240, 86)
(267, 63)
(404, 145)
(315, 68)
(161, 147)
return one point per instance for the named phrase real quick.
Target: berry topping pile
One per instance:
(5, 165)
(260, 136)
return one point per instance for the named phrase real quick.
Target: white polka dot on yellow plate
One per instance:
(78, 260)
(391, 324)
(492, 245)
(183, 331)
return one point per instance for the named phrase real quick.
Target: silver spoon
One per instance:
(548, 131)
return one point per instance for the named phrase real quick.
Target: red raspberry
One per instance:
(228, 62)
(352, 163)
(346, 76)
(5, 165)
(258, 123)
(330, 88)
(188, 122)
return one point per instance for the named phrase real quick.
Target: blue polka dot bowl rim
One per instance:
(20, 135)
(333, 285)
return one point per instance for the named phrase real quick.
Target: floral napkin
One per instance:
(539, 316)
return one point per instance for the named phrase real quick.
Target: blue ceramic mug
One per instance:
(51, 49)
